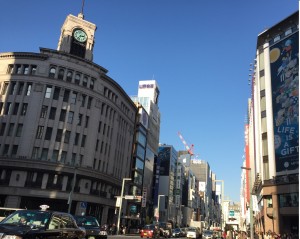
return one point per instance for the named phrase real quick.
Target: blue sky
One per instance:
(199, 52)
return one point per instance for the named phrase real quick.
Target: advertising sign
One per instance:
(285, 95)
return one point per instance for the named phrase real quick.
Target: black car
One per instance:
(27, 224)
(91, 226)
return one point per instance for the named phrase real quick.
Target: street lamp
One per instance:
(158, 203)
(121, 200)
(72, 190)
(251, 203)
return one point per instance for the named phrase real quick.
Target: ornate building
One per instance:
(63, 118)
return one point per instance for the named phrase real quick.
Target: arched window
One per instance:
(61, 74)
(52, 72)
(69, 76)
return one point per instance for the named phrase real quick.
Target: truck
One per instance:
(199, 224)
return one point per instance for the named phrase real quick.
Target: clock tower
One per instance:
(77, 37)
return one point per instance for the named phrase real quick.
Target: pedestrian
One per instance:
(224, 234)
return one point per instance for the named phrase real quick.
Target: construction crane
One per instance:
(188, 148)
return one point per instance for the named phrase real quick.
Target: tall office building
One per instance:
(166, 167)
(274, 126)
(148, 95)
(66, 128)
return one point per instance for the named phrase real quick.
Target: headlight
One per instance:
(11, 237)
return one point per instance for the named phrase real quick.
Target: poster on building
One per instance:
(285, 94)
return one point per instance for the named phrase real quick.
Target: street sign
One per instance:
(83, 205)
(129, 197)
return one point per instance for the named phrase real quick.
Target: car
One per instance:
(5, 211)
(208, 234)
(193, 232)
(148, 231)
(27, 224)
(91, 226)
(178, 232)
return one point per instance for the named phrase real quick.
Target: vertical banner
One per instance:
(285, 94)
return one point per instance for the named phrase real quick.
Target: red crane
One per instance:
(188, 148)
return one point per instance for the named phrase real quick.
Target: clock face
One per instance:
(80, 35)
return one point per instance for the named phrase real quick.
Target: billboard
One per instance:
(284, 67)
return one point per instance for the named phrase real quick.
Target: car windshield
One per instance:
(209, 233)
(27, 217)
(83, 221)
(148, 227)
(191, 229)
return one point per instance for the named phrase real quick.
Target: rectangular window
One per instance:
(73, 159)
(19, 130)
(73, 97)
(79, 119)
(28, 89)
(63, 157)
(19, 69)
(33, 69)
(48, 133)
(35, 153)
(39, 132)
(14, 151)
(44, 154)
(89, 102)
(67, 136)
(24, 109)
(13, 88)
(7, 109)
(66, 96)
(4, 88)
(10, 129)
(92, 83)
(26, 69)
(52, 113)
(86, 121)
(10, 69)
(1, 107)
(48, 92)
(56, 93)
(62, 116)
(55, 156)
(76, 140)
(44, 111)
(83, 140)
(58, 135)
(83, 99)
(21, 88)
(5, 150)
(16, 108)
(70, 117)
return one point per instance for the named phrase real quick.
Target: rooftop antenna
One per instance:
(82, 6)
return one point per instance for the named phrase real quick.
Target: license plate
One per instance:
(145, 233)
(91, 237)
(102, 233)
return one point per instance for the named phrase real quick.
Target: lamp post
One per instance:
(159, 202)
(121, 201)
(251, 203)
(72, 190)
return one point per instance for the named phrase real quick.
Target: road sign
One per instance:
(83, 205)
(129, 197)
